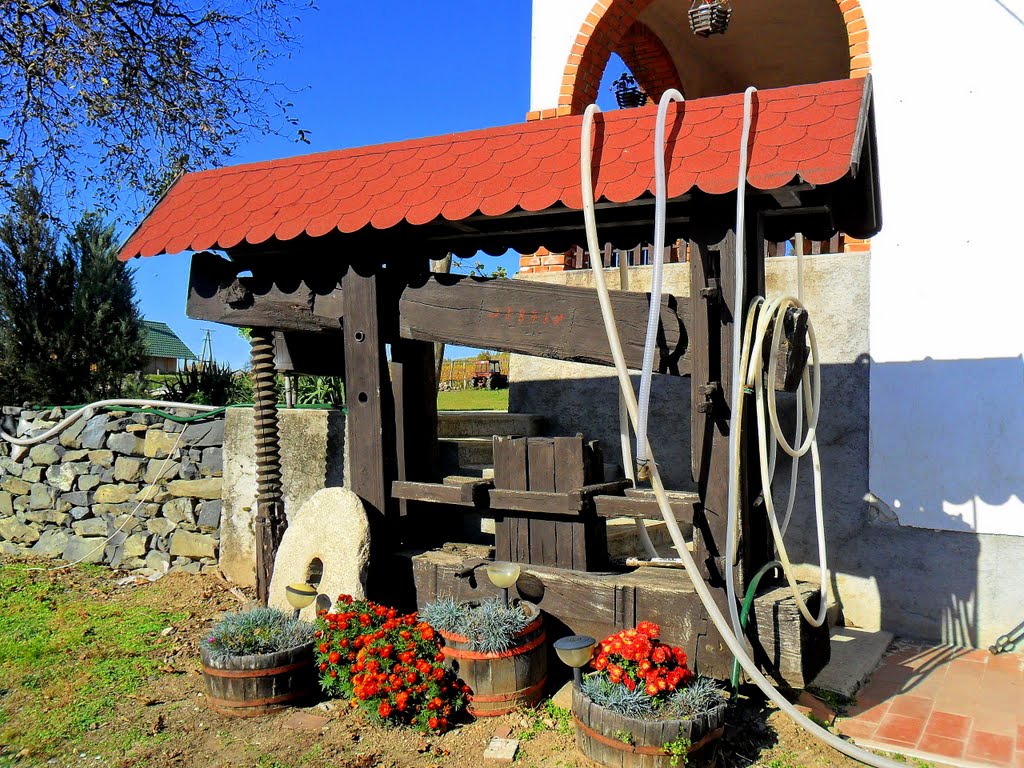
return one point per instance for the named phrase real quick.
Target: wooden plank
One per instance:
(369, 398)
(645, 507)
(439, 493)
(532, 502)
(512, 534)
(415, 396)
(570, 544)
(216, 295)
(541, 469)
(541, 319)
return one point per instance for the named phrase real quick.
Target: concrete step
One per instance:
(487, 424)
(856, 653)
(459, 453)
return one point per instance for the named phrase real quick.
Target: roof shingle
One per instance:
(808, 132)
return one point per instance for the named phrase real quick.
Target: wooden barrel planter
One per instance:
(249, 686)
(608, 738)
(502, 681)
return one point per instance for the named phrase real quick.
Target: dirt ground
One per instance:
(166, 722)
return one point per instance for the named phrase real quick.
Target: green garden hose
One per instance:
(748, 601)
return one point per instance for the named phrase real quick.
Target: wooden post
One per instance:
(415, 396)
(368, 396)
(715, 308)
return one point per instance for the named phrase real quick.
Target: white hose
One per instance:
(626, 387)
(87, 412)
(657, 278)
(627, 452)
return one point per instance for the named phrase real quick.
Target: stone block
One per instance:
(128, 470)
(44, 516)
(126, 443)
(159, 471)
(127, 524)
(79, 513)
(173, 426)
(33, 474)
(70, 437)
(88, 482)
(114, 494)
(180, 511)
(63, 476)
(103, 458)
(76, 498)
(51, 544)
(158, 561)
(107, 476)
(136, 429)
(160, 526)
(345, 556)
(209, 515)
(193, 545)
(188, 471)
(210, 488)
(212, 463)
(92, 526)
(16, 486)
(84, 550)
(94, 435)
(46, 454)
(6, 504)
(159, 444)
(135, 545)
(76, 455)
(205, 434)
(42, 496)
(21, 503)
(14, 530)
(189, 568)
(157, 494)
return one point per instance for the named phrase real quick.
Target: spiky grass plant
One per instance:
(698, 698)
(490, 626)
(618, 698)
(259, 630)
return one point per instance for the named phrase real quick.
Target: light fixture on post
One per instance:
(299, 596)
(710, 17)
(503, 576)
(576, 651)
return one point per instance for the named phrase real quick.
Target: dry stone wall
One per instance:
(134, 491)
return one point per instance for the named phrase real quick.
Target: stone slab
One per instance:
(343, 555)
(503, 750)
(855, 655)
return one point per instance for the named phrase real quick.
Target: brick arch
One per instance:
(613, 22)
(649, 60)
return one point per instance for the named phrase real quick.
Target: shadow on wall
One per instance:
(958, 587)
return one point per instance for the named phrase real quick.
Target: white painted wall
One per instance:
(555, 26)
(947, 325)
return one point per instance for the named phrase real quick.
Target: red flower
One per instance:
(384, 710)
(334, 658)
(433, 723)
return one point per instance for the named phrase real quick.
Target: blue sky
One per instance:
(388, 71)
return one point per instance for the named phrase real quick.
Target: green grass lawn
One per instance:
(473, 400)
(66, 659)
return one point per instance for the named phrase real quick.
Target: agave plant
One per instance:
(260, 630)
(489, 626)
(618, 698)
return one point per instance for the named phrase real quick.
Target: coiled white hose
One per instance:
(657, 278)
(625, 386)
(88, 411)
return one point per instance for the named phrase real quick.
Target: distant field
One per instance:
(473, 400)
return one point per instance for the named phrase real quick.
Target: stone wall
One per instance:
(134, 491)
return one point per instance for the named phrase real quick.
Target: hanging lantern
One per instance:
(710, 17)
(628, 92)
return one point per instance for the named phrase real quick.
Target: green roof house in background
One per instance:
(163, 349)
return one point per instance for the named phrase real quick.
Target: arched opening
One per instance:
(768, 45)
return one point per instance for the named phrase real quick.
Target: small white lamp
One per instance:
(503, 576)
(576, 651)
(299, 596)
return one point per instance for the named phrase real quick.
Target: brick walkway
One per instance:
(945, 705)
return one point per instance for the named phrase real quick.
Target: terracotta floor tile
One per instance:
(1020, 738)
(901, 728)
(901, 746)
(957, 704)
(991, 747)
(1006, 662)
(940, 745)
(948, 725)
(997, 721)
(978, 654)
(969, 669)
(894, 673)
(856, 729)
(875, 692)
(869, 713)
(912, 706)
(1019, 762)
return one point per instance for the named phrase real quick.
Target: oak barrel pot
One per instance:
(249, 686)
(502, 681)
(608, 738)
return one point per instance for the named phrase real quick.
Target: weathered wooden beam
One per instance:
(640, 504)
(217, 295)
(599, 604)
(541, 319)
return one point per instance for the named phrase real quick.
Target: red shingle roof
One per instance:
(810, 132)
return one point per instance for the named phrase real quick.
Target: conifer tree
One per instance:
(69, 327)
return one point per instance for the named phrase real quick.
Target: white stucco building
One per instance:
(923, 326)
